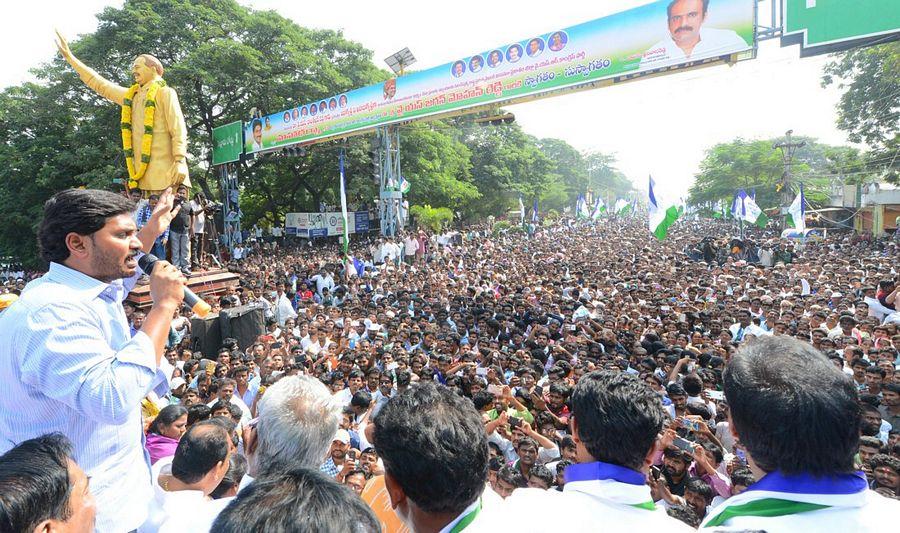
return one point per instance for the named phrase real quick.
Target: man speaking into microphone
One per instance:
(68, 362)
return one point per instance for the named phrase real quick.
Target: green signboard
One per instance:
(826, 26)
(227, 143)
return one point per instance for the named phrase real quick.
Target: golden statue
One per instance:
(154, 136)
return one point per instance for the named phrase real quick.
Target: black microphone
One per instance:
(197, 305)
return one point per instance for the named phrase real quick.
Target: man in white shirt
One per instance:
(688, 40)
(745, 327)
(183, 482)
(778, 382)
(69, 363)
(410, 246)
(616, 419)
(444, 489)
(227, 387)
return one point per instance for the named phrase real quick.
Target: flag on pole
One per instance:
(521, 211)
(661, 213)
(622, 207)
(346, 243)
(582, 210)
(404, 185)
(744, 208)
(796, 217)
(534, 212)
(599, 209)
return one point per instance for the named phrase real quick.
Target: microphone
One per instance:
(197, 305)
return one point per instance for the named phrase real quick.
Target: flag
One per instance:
(534, 212)
(744, 208)
(521, 211)
(622, 207)
(796, 217)
(599, 209)
(346, 243)
(661, 214)
(404, 185)
(581, 208)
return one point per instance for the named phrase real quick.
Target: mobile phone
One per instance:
(654, 472)
(276, 345)
(715, 394)
(741, 455)
(496, 390)
(515, 421)
(210, 368)
(571, 327)
(684, 445)
(481, 371)
(690, 425)
(539, 390)
(351, 455)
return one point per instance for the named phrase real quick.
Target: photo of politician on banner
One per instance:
(661, 34)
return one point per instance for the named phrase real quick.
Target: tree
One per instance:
(869, 109)
(437, 166)
(755, 165)
(433, 218)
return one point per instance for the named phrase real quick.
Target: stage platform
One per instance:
(207, 284)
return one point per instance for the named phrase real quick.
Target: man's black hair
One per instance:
(432, 442)
(34, 477)
(684, 513)
(512, 476)
(543, 473)
(496, 463)
(256, 122)
(81, 211)
(742, 476)
(618, 417)
(298, 500)
(482, 399)
(701, 488)
(237, 468)
(361, 399)
(198, 412)
(675, 389)
(870, 442)
(203, 446)
(780, 382)
(692, 384)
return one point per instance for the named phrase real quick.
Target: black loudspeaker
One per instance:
(244, 323)
(206, 335)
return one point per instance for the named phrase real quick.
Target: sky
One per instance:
(659, 127)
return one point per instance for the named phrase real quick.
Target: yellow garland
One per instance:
(146, 134)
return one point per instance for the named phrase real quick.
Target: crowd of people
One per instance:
(582, 377)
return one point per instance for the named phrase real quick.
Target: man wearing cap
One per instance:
(337, 454)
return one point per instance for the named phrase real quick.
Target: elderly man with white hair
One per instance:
(298, 418)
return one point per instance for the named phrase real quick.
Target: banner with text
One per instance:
(327, 224)
(642, 39)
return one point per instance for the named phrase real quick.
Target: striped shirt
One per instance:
(69, 364)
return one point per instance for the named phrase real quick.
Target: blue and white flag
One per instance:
(534, 212)
(521, 211)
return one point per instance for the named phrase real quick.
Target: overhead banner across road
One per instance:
(642, 39)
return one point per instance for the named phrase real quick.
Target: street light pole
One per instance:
(788, 147)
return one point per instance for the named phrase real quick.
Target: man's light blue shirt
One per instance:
(69, 364)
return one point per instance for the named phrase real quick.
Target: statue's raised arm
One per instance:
(151, 115)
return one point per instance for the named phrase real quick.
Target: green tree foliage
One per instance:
(433, 218)
(869, 109)
(755, 164)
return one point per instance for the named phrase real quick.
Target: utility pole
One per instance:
(788, 147)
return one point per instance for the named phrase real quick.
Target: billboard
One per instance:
(326, 224)
(227, 143)
(642, 39)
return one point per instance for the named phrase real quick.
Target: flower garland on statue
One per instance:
(134, 175)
